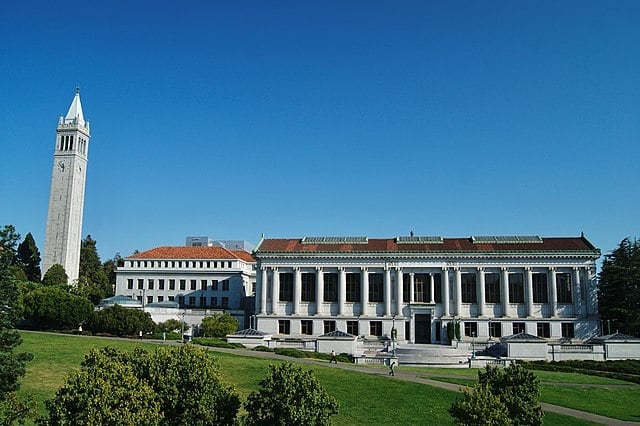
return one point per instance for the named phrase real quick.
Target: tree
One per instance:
(29, 258)
(290, 396)
(8, 241)
(54, 308)
(55, 275)
(110, 266)
(93, 281)
(479, 407)
(179, 385)
(619, 294)
(218, 325)
(518, 389)
(106, 391)
(170, 325)
(121, 321)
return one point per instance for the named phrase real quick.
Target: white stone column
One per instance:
(553, 294)
(458, 291)
(412, 286)
(342, 290)
(319, 290)
(445, 292)
(528, 295)
(400, 292)
(262, 288)
(275, 290)
(432, 288)
(577, 297)
(364, 273)
(387, 291)
(504, 281)
(481, 292)
(297, 289)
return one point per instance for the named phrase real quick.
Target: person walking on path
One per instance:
(333, 357)
(392, 369)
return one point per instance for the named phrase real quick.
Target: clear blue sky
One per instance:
(296, 118)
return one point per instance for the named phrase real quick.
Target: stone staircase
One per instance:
(433, 355)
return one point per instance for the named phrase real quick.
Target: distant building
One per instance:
(413, 287)
(66, 199)
(195, 277)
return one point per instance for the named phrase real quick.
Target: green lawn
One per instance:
(364, 398)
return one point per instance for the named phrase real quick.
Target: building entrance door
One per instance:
(423, 328)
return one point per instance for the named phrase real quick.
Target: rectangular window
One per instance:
(225, 285)
(160, 299)
(150, 284)
(193, 284)
(519, 327)
(306, 327)
(421, 288)
(172, 284)
(437, 288)
(376, 288)
(140, 284)
(495, 329)
(544, 329)
(469, 288)
(130, 284)
(284, 327)
(286, 287)
(203, 301)
(563, 287)
(171, 298)
(330, 287)
(149, 299)
(471, 329)
(192, 301)
(375, 328)
(540, 293)
(160, 284)
(406, 288)
(353, 287)
(516, 288)
(352, 328)
(181, 300)
(214, 285)
(203, 284)
(492, 288)
(183, 284)
(225, 302)
(568, 330)
(214, 302)
(329, 326)
(308, 287)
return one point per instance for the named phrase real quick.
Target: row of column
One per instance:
(457, 289)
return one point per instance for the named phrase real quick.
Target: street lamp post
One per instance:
(473, 345)
(393, 335)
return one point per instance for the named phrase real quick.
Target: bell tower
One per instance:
(66, 200)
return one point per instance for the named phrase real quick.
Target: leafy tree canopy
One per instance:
(93, 281)
(121, 321)
(218, 325)
(619, 293)
(29, 258)
(53, 308)
(170, 325)
(479, 407)
(290, 396)
(170, 386)
(55, 275)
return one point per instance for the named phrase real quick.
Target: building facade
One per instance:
(195, 277)
(412, 287)
(66, 200)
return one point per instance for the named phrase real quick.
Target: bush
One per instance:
(627, 370)
(216, 343)
(262, 349)
(53, 308)
(218, 325)
(120, 321)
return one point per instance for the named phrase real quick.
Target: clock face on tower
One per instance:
(61, 166)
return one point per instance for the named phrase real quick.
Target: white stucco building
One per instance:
(66, 199)
(195, 277)
(492, 286)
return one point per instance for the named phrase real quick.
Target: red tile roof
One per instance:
(555, 244)
(188, 252)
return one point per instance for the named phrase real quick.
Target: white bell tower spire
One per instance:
(66, 200)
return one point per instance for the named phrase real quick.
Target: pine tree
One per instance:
(619, 294)
(93, 281)
(29, 258)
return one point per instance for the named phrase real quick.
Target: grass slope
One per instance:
(364, 399)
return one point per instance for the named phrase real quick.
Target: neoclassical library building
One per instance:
(492, 286)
